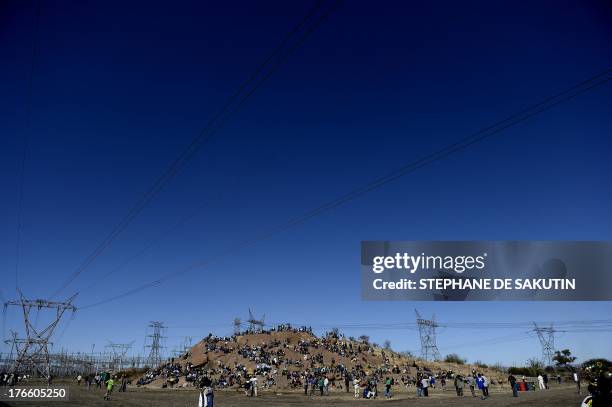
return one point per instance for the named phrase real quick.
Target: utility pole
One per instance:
(427, 334)
(32, 352)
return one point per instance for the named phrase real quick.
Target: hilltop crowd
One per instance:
(317, 366)
(311, 371)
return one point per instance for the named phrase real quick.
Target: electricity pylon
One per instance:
(155, 356)
(427, 333)
(32, 352)
(547, 340)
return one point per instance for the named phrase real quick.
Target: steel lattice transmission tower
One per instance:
(237, 326)
(427, 333)
(547, 340)
(117, 354)
(155, 356)
(256, 325)
(32, 352)
(7, 363)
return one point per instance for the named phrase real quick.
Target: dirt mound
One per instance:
(286, 354)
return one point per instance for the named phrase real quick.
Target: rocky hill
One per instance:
(282, 357)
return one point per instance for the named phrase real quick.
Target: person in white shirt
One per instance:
(485, 383)
(577, 380)
(541, 382)
(254, 386)
(425, 383)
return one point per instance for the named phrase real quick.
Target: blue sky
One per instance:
(120, 90)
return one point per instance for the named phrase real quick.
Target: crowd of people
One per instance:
(12, 379)
(317, 366)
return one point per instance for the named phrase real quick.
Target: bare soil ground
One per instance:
(559, 396)
(285, 341)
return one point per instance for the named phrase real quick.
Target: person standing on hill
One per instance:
(425, 384)
(356, 386)
(347, 380)
(321, 385)
(206, 398)
(458, 382)
(472, 383)
(254, 386)
(480, 382)
(577, 380)
(486, 383)
(419, 387)
(110, 384)
(541, 382)
(513, 385)
(388, 387)
(124, 381)
(247, 388)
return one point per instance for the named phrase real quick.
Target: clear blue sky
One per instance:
(120, 89)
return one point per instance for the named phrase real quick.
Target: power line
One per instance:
(234, 103)
(26, 143)
(489, 131)
(494, 341)
(61, 335)
(576, 324)
(153, 243)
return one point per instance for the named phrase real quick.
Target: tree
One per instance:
(387, 344)
(534, 366)
(454, 358)
(364, 338)
(522, 371)
(563, 358)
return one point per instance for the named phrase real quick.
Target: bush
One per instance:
(454, 358)
(481, 365)
(520, 371)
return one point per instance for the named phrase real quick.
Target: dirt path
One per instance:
(564, 396)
